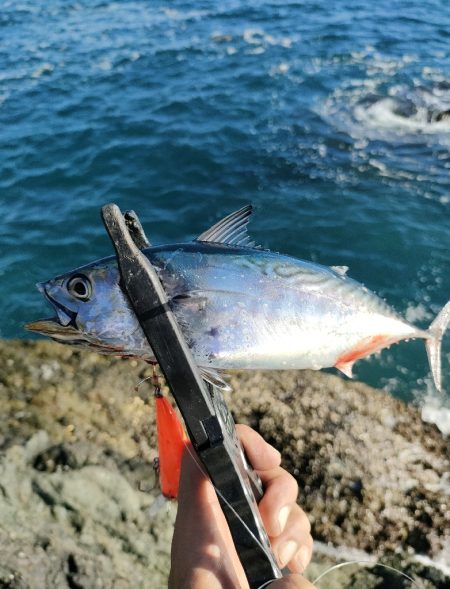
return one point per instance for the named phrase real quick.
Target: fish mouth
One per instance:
(53, 328)
(62, 327)
(69, 334)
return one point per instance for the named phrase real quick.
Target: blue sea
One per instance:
(330, 117)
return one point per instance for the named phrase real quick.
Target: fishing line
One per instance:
(154, 377)
(141, 382)
(365, 562)
(267, 583)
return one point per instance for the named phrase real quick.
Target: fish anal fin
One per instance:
(346, 368)
(231, 230)
(365, 347)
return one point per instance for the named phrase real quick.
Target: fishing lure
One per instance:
(172, 440)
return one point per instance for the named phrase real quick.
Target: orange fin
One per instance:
(364, 348)
(345, 368)
(171, 442)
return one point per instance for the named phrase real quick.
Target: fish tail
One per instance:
(433, 344)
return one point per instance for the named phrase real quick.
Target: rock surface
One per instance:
(79, 503)
(372, 474)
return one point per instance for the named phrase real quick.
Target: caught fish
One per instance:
(239, 307)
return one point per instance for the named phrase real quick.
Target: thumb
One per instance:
(195, 488)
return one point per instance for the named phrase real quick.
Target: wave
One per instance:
(390, 99)
(414, 112)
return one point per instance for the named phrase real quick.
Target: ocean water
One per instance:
(328, 116)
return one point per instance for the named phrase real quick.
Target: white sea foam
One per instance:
(134, 55)
(256, 50)
(180, 15)
(385, 114)
(253, 36)
(416, 313)
(436, 406)
(257, 36)
(45, 68)
(280, 69)
(432, 412)
(104, 64)
(377, 106)
(440, 562)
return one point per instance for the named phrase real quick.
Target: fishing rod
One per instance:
(208, 420)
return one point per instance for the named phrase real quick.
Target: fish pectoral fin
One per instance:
(231, 230)
(192, 298)
(346, 368)
(215, 379)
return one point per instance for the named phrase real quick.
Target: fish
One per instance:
(239, 306)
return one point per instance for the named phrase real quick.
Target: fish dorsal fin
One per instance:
(231, 230)
(340, 269)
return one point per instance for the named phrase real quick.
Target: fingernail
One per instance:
(287, 552)
(302, 557)
(283, 517)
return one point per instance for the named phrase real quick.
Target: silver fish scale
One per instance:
(303, 276)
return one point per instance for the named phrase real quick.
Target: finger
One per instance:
(279, 499)
(285, 522)
(294, 546)
(291, 582)
(261, 455)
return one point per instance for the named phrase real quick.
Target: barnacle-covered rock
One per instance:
(79, 503)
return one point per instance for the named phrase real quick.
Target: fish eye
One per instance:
(80, 287)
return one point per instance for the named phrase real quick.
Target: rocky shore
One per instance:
(80, 506)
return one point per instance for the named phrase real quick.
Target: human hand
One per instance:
(203, 553)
